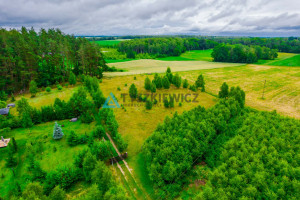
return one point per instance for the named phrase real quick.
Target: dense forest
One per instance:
(47, 57)
(238, 53)
(250, 158)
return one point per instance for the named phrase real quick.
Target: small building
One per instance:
(74, 120)
(4, 142)
(4, 111)
(11, 105)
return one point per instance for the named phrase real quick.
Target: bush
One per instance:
(133, 91)
(166, 103)
(153, 87)
(59, 87)
(185, 83)
(149, 104)
(48, 89)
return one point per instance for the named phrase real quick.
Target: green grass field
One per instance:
(44, 146)
(107, 42)
(203, 55)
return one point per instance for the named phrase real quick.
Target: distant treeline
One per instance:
(282, 44)
(238, 53)
(46, 57)
(161, 47)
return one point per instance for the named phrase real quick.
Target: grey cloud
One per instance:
(123, 17)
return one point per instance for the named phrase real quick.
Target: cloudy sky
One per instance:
(145, 17)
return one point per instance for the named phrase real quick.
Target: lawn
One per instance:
(204, 55)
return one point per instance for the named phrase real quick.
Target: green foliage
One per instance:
(33, 89)
(166, 103)
(23, 106)
(33, 191)
(133, 91)
(176, 80)
(171, 103)
(175, 146)
(26, 120)
(57, 194)
(200, 83)
(166, 82)
(147, 84)
(12, 98)
(72, 138)
(99, 132)
(57, 132)
(3, 96)
(224, 91)
(37, 173)
(59, 87)
(87, 117)
(88, 166)
(130, 54)
(259, 163)
(193, 88)
(98, 98)
(185, 83)
(14, 146)
(2, 104)
(158, 81)
(169, 75)
(238, 53)
(148, 104)
(11, 160)
(153, 87)
(48, 89)
(72, 78)
(102, 177)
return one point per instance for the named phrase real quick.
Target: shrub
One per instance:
(33, 89)
(59, 87)
(133, 91)
(147, 83)
(48, 89)
(153, 87)
(166, 103)
(149, 104)
(185, 83)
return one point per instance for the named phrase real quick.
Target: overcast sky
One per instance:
(145, 17)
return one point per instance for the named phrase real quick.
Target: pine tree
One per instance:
(72, 78)
(57, 132)
(26, 120)
(166, 82)
(57, 194)
(185, 83)
(33, 89)
(72, 139)
(133, 91)
(149, 104)
(88, 166)
(153, 87)
(223, 93)
(177, 80)
(158, 81)
(200, 82)
(169, 75)
(171, 103)
(147, 84)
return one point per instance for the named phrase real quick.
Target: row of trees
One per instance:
(46, 57)
(242, 54)
(161, 47)
(185, 140)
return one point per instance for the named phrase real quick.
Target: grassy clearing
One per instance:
(44, 146)
(284, 59)
(282, 90)
(151, 66)
(204, 55)
(107, 42)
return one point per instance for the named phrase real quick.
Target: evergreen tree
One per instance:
(177, 80)
(14, 145)
(149, 104)
(133, 91)
(72, 139)
(3, 96)
(185, 83)
(147, 83)
(171, 103)
(11, 160)
(165, 82)
(98, 98)
(72, 78)
(37, 173)
(26, 120)
(158, 81)
(57, 132)
(169, 75)
(88, 166)
(200, 81)
(223, 93)
(153, 87)
(33, 89)
(57, 193)
(166, 103)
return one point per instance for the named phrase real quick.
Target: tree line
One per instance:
(238, 53)
(47, 57)
(162, 47)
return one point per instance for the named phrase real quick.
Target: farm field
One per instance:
(151, 66)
